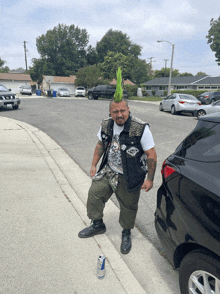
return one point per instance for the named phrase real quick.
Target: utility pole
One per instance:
(151, 64)
(166, 62)
(25, 53)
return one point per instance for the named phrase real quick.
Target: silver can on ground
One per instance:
(101, 267)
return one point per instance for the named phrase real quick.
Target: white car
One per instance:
(63, 92)
(80, 91)
(176, 103)
(207, 109)
(26, 90)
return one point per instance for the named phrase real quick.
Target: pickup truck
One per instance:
(103, 91)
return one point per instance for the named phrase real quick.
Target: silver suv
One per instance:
(8, 98)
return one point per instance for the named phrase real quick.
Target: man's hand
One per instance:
(92, 171)
(147, 185)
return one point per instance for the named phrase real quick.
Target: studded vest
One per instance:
(131, 150)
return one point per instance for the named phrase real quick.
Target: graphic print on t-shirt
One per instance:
(114, 156)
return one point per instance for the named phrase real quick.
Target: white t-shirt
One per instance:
(114, 156)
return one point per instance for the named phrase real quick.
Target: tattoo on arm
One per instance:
(99, 148)
(151, 163)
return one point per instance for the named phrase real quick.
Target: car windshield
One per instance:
(80, 88)
(189, 97)
(3, 88)
(63, 89)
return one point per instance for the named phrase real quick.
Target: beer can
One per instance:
(101, 267)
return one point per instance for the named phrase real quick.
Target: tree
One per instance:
(132, 67)
(89, 76)
(91, 55)
(165, 72)
(3, 69)
(63, 49)
(38, 69)
(186, 74)
(214, 38)
(201, 73)
(117, 42)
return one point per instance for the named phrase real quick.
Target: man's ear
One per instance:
(109, 114)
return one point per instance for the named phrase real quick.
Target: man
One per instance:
(126, 146)
(124, 143)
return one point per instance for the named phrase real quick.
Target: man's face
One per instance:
(119, 112)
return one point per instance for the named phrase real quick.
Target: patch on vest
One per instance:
(123, 147)
(132, 151)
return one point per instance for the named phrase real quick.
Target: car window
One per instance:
(203, 144)
(3, 88)
(189, 97)
(80, 88)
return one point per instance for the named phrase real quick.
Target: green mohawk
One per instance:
(119, 91)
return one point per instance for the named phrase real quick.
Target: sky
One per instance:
(183, 23)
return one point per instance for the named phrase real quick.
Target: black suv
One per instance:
(187, 217)
(7, 98)
(209, 97)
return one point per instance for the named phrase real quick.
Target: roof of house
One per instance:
(54, 79)
(190, 80)
(126, 82)
(15, 77)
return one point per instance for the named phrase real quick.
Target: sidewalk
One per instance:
(43, 194)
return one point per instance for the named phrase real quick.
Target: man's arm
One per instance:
(99, 150)
(151, 164)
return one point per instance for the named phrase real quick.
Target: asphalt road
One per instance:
(74, 123)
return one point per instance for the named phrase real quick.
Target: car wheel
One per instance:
(160, 107)
(15, 106)
(201, 112)
(90, 96)
(173, 110)
(199, 273)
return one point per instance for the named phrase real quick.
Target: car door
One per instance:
(166, 102)
(217, 95)
(215, 107)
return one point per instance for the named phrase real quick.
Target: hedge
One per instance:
(190, 92)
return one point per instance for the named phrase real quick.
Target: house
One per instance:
(54, 83)
(159, 85)
(14, 81)
(125, 82)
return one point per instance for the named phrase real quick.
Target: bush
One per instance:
(153, 92)
(132, 90)
(191, 92)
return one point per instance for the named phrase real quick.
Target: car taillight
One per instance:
(167, 170)
(199, 103)
(206, 96)
(182, 102)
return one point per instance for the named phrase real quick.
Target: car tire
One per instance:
(173, 110)
(160, 107)
(90, 96)
(15, 106)
(199, 272)
(200, 112)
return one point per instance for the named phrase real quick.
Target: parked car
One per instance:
(176, 103)
(80, 91)
(207, 109)
(63, 92)
(187, 217)
(7, 98)
(26, 90)
(209, 97)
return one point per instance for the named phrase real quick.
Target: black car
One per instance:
(209, 97)
(187, 217)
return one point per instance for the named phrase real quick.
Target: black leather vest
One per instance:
(131, 150)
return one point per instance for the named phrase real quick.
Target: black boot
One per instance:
(126, 241)
(98, 227)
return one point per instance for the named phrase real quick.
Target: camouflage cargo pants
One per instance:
(100, 192)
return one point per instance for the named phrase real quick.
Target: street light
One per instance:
(171, 65)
